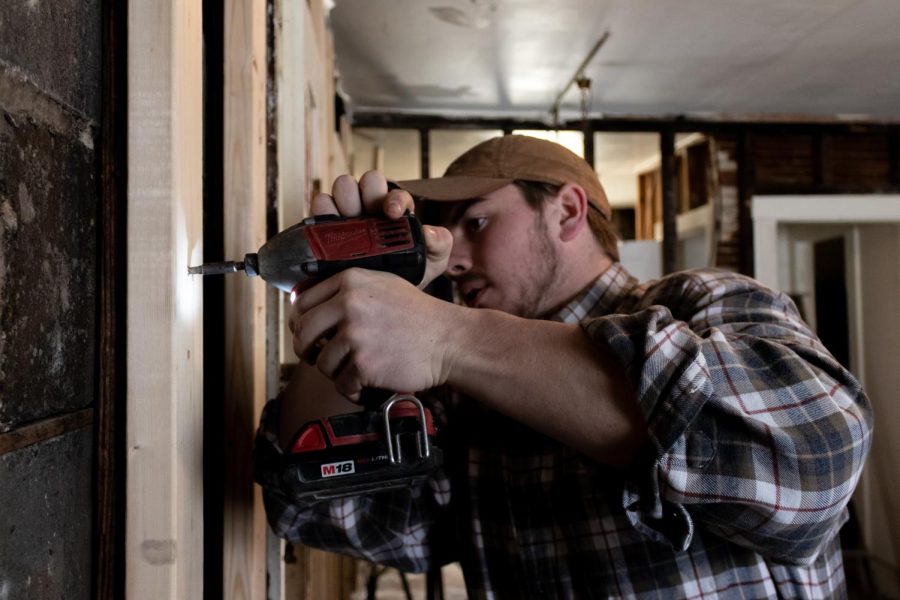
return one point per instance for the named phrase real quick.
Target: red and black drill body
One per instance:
(390, 443)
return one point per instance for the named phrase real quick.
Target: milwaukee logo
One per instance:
(339, 468)
(342, 235)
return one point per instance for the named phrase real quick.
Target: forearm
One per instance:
(551, 377)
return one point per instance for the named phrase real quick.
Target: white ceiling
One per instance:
(696, 57)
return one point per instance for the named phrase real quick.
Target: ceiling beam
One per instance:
(676, 123)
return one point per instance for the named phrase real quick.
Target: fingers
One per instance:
(373, 189)
(316, 321)
(312, 318)
(336, 364)
(320, 292)
(369, 196)
(397, 202)
(349, 383)
(334, 357)
(318, 324)
(323, 204)
(439, 243)
(344, 199)
(345, 191)
(376, 197)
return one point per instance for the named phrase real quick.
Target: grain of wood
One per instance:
(164, 523)
(244, 568)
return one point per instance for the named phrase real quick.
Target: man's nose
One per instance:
(460, 258)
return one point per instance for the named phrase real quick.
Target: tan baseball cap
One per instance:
(499, 161)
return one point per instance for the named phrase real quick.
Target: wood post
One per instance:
(164, 522)
(669, 200)
(588, 131)
(424, 154)
(245, 299)
(746, 177)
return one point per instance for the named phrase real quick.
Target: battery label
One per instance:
(339, 468)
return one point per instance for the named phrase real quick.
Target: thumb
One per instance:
(438, 243)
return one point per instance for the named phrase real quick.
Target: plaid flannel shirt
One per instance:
(758, 437)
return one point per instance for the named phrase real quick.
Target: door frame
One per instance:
(847, 214)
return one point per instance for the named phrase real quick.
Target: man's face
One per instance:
(503, 255)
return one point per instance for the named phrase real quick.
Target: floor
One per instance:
(390, 586)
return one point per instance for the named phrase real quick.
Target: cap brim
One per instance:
(453, 187)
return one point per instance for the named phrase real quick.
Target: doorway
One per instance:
(830, 297)
(831, 248)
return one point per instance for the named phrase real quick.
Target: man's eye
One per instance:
(476, 224)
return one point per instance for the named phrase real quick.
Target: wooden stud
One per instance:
(245, 300)
(424, 154)
(894, 158)
(746, 176)
(164, 522)
(818, 160)
(588, 132)
(639, 208)
(682, 181)
(669, 200)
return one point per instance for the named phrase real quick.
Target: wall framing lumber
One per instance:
(245, 300)
(292, 184)
(308, 155)
(424, 154)
(588, 134)
(745, 185)
(894, 154)
(669, 200)
(164, 522)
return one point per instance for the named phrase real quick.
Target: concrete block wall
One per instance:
(50, 89)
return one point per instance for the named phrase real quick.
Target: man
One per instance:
(689, 437)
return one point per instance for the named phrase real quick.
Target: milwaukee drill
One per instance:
(390, 443)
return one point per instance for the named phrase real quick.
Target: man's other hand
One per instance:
(370, 196)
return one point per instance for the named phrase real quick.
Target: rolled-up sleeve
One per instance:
(758, 434)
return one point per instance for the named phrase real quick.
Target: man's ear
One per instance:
(573, 213)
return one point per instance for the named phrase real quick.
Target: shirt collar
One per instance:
(600, 297)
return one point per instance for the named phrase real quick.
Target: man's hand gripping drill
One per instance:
(364, 328)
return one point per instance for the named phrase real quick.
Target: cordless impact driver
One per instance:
(390, 444)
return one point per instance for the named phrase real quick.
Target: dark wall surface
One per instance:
(48, 208)
(56, 44)
(50, 90)
(45, 529)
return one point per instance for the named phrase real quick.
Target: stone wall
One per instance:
(50, 89)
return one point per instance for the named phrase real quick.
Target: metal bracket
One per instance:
(424, 443)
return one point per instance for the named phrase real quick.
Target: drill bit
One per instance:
(217, 268)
